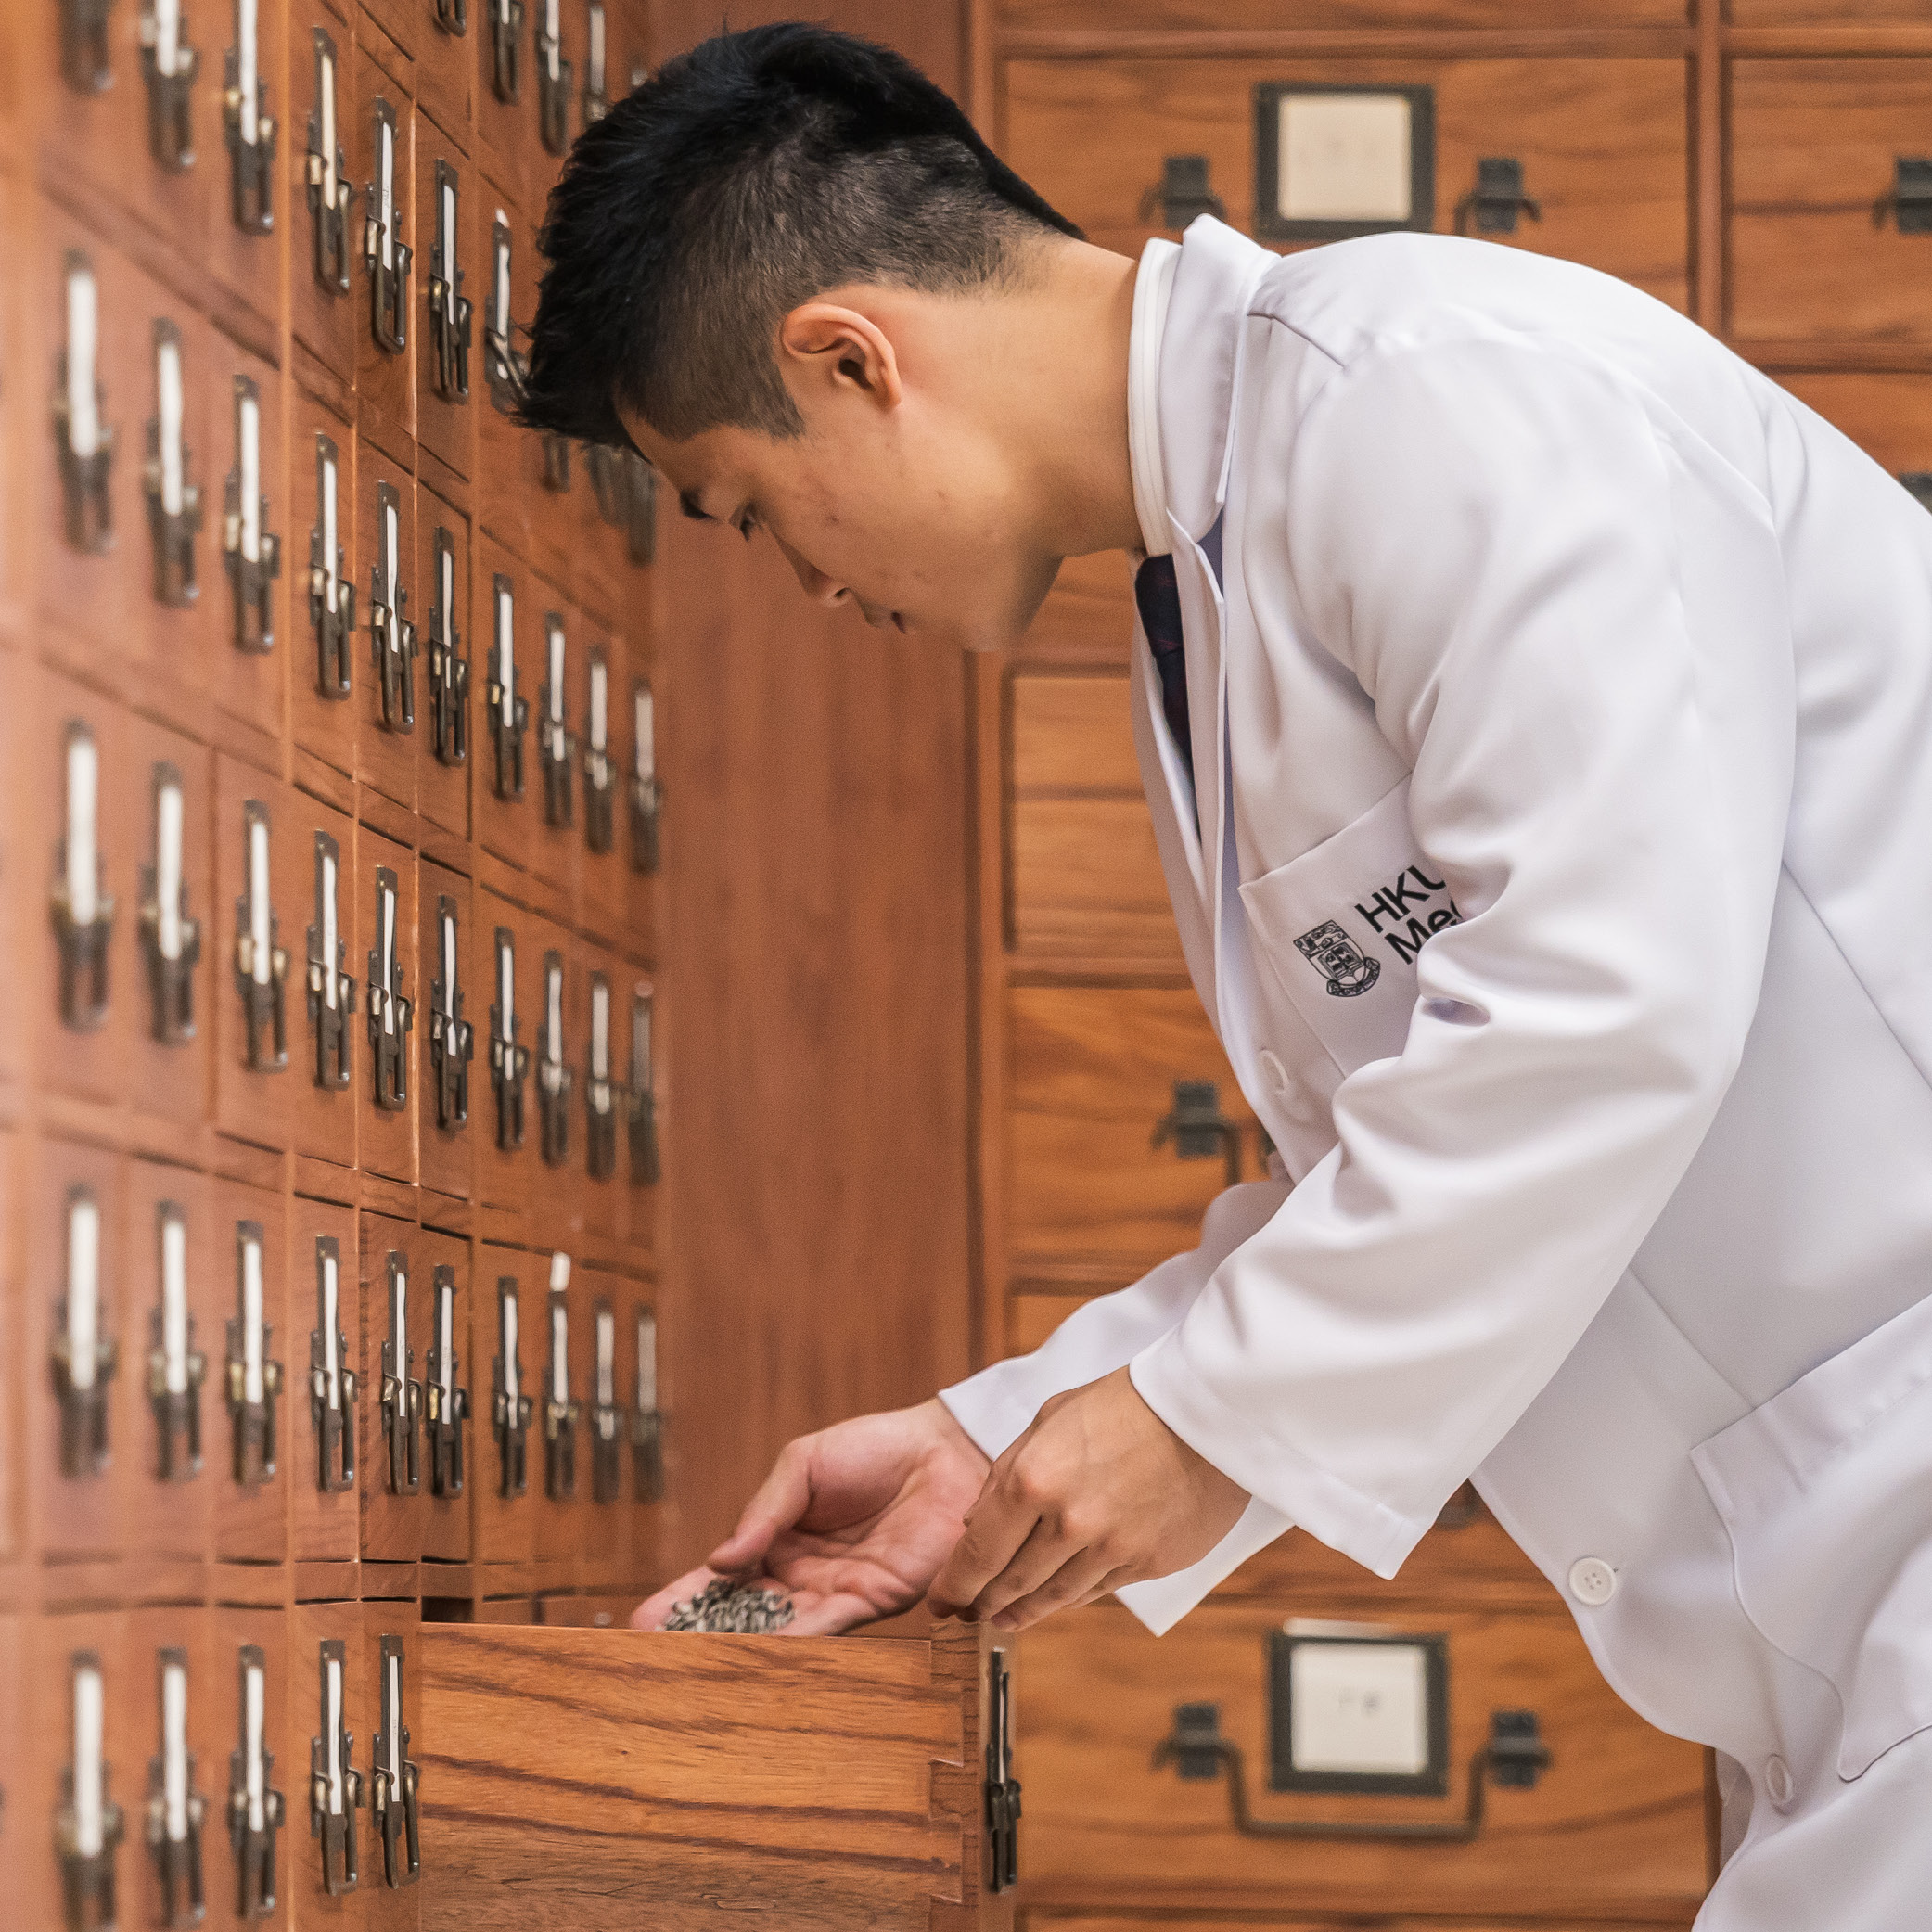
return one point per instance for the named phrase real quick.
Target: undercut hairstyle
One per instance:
(753, 174)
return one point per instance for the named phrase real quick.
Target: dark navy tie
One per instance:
(1158, 597)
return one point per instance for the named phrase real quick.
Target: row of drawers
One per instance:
(1043, 17)
(217, 1371)
(1605, 148)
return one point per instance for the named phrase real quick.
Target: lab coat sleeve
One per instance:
(997, 1406)
(1570, 618)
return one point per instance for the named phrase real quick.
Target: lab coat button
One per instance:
(1591, 1582)
(1778, 1786)
(1273, 1072)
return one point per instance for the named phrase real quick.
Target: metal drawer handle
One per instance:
(1514, 1759)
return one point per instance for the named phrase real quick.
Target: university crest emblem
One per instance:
(1339, 960)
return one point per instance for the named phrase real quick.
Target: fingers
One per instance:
(997, 1527)
(650, 1614)
(1078, 1580)
(782, 1499)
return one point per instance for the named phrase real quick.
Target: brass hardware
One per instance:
(1497, 198)
(508, 1062)
(605, 1418)
(174, 503)
(251, 130)
(402, 1395)
(509, 715)
(505, 24)
(83, 45)
(385, 254)
(335, 1784)
(561, 1410)
(84, 442)
(261, 965)
(596, 103)
(452, 1038)
(331, 991)
(392, 1801)
(87, 1826)
(177, 1811)
(641, 1127)
(510, 1408)
(176, 1367)
(555, 742)
(82, 916)
(1515, 1757)
(1197, 1128)
(170, 67)
(252, 552)
(82, 1359)
(254, 1380)
(390, 1015)
(646, 1419)
(332, 1383)
(170, 941)
(555, 1077)
(451, 311)
(448, 1405)
(599, 1090)
(647, 796)
(449, 670)
(331, 594)
(327, 171)
(1002, 1795)
(599, 774)
(554, 76)
(256, 1811)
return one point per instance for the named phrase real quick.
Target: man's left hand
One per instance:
(1097, 1493)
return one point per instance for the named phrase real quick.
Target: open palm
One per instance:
(852, 1523)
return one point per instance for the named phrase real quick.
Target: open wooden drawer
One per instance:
(589, 1779)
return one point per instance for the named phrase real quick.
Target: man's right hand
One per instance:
(852, 1523)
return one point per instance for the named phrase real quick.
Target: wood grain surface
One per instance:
(1614, 1824)
(603, 1779)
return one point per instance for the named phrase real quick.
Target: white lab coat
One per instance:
(1607, 665)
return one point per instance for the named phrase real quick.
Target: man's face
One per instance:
(893, 500)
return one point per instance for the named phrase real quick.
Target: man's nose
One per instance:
(820, 588)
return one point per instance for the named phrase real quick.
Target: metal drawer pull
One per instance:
(1909, 200)
(1514, 1759)
(1197, 1127)
(1497, 198)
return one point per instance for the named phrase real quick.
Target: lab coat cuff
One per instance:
(1361, 1528)
(1161, 1601)
(996, 1407)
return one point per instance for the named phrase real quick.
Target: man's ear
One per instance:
(821, 343)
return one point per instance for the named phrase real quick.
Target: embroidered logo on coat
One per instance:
(1339, 960)
(1407, 911)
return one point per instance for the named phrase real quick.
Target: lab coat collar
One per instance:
(1152, 285)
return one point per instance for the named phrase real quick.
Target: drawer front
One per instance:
(1889, 417)
(1602, 145)
(1093, 1074)
(1084, 879)
(1814, 144)
(1084, 1921)
(1615, 1824)
(1086, 17)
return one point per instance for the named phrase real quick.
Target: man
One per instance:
(1535, 707)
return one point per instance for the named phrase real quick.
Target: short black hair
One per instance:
(752, 173)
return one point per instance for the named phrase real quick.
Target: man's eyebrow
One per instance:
(688, 502)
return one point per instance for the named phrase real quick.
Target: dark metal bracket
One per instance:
(599, 1089)
(170, 938)
(449, 670)
(85, 58)
(555, 75)
(1197, 1127)
(640, 1123)
(510, 1408)
(556, 743)
(81, 934)
(1003, 1792)
(392, 636)
(331, 594)
(509, 715)
(647, 794)
(1497, 198)
(596, 102)
(250, 577)
(390, 1015)
(171, 94)
(174, 531)
(392, 1798)
(1183, 194)
(1514, 1758)
(555, 1077)
(331, 990)
(261, 965)
(82, 1359)
(389, 281)
(87, 503)
(331, 196)
(335, 1784)
(177, 1412)
(1909, 200)
(452, 1038)
(561, 1414)
(607, 1420)
(251, 162)
(647, 1418)
(88, 1881)
(254, 1386)
(451, 313)
(506, 27)
(256, 1810)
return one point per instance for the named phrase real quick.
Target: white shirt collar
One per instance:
(1153, 284)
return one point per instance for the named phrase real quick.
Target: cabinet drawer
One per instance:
(1084, 879)
(1889, 417)
(613, 1778)
(1601, 145)
(1086, 17)
(1093, 1074)
(1615, 1822)
(1813, 148)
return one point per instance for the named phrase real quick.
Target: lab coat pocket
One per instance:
(1826, 1491)
(1340, 928)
